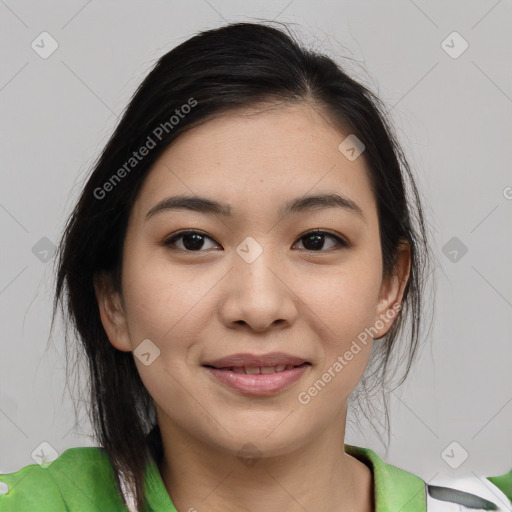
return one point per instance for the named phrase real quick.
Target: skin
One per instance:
(209, 303)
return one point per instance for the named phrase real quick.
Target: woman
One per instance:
(242, 259)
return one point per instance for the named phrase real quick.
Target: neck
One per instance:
(316, 476)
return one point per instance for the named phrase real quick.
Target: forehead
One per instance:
(259, 158)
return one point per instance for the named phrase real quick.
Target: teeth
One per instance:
(254, 370)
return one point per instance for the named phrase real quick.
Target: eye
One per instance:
(193, 241)
(314, 240)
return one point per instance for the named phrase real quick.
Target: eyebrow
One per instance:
(300, 204)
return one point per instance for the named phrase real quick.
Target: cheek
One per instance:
(343, 307)
(166, 305)
(159, 308)
(161, 300)
(345, 300)
(343, 311)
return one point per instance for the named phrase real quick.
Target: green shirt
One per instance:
(82, 480)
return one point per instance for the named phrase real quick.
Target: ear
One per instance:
(392, 291)
(112, 312)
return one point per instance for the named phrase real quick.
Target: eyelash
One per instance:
(170, 241)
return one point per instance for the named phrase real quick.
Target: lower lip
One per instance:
(261, 384)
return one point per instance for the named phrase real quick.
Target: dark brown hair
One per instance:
(228, 68)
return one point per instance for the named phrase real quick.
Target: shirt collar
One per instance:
(394, 489)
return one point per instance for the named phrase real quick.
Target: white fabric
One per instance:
(473, 485)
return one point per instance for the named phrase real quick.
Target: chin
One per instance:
(264, 442)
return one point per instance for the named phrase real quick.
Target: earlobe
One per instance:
(392, 291)
(112, 313)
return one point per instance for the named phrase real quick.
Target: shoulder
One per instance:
(79, 479)
(397, 489)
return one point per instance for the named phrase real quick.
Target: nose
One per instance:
(259, 295)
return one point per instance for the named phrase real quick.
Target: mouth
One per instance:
(277, 360)
(258, 375)
(258, 370)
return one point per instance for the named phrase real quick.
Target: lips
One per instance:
(255, 370)
(255, 375)
(269, 363)
(258, 384)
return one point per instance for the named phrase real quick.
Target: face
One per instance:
(251, 279)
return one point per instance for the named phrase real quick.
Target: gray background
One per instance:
(453, 117)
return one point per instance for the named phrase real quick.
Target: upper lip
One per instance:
(253, 360)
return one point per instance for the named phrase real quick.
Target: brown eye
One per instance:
(315, 240)
(191, 241)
